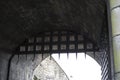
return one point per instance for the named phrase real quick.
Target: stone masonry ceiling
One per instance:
(20, 19)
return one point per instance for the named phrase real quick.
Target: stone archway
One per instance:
(60, 42)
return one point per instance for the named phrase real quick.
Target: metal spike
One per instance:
(33, 57)
(26, 56)
(76, 55)
(59, 55)
(94, 54)
(42, 56)
(85, 55)
(18, 59)
(67, 55)
(50, 56)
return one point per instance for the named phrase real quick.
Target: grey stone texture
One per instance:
(24, 67)
(50, 70)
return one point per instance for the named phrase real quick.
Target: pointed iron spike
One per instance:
(76, 55)
(85, 55)
(50, 56)
(94, 54)
(33, 57)
(42, 56)
(18, 59)
(59, 55)
(67, 55)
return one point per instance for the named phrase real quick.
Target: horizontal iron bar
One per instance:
(63, 51)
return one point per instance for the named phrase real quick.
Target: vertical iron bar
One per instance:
(42, 46)
(94, 54)
(67, 44)
(59, 40)
(51, 39)
(26, 47)
(18, 58)
(34, 48)
(85, 45)
(76, 45)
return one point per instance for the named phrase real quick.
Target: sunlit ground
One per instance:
(79, 69)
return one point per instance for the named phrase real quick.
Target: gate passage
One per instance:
(65, 42)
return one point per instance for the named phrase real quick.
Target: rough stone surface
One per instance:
(22, 68)
(49, 70)
(25, 68)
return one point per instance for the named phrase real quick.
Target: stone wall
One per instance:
(24, 68)
(49, 70)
